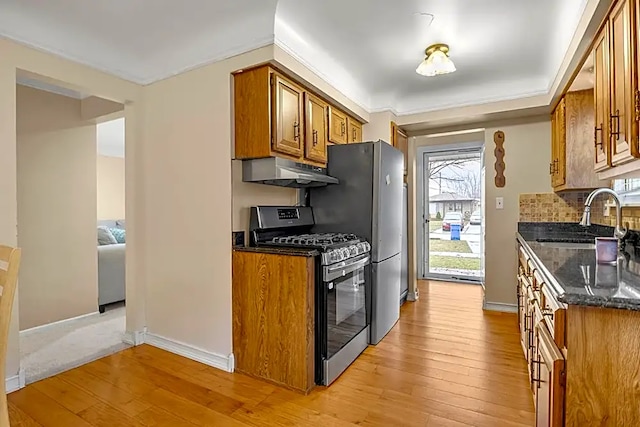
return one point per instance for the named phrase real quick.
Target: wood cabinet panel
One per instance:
(252, 113)
(621, 85)
(354, 130)
(549, 381)
(273, 318)
(573, 124)
(559, 145)
(601, 100)
(288, 112)
(603, 347)
(337, 126)
(316, 128)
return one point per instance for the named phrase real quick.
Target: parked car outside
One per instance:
(452, 218)
(476, 218)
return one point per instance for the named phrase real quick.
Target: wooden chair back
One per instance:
(9, 266)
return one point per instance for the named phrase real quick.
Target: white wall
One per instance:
(110, 187)
(527, 153)
(56, 158)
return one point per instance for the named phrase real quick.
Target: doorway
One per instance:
(451, 187)
(61, 322)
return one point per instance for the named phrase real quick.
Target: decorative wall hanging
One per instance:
(498, 138)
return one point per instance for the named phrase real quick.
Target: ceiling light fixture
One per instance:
(436, 61)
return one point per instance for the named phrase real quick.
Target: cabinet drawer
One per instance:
(524, 258)
(554, 314)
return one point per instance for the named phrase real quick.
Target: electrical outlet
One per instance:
(499, 202)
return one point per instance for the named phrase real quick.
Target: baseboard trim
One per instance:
(500, 306)
(57, 323)
(15, 382)
(133, 338)
(225, 363)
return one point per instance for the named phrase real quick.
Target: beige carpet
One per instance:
(47, 352)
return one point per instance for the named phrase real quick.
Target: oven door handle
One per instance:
(344, 269)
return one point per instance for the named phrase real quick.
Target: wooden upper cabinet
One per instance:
(316, 128)
(337, 126)
(287, 116)
(622, 87)
(354, 130)
(572, 124)
(559, 145)
(601, 100)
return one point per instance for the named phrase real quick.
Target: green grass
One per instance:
(459, 246)
(454, 263)
(435, 225)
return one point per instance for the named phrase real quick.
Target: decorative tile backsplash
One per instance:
(568, 207)
(552, 207)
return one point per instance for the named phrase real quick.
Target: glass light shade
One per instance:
(437, 63)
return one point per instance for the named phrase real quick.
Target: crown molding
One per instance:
(340, 86)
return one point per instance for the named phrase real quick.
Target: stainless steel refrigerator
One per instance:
(368, 203)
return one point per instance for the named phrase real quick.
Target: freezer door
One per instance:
(387, 202)
(385, 290)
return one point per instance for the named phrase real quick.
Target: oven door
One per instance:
(341, 309)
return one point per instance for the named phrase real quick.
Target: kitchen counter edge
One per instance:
(568, 299)
(278, 251)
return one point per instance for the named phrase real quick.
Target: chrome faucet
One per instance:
(620, 231)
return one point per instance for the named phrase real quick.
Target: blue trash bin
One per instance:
(455, 231)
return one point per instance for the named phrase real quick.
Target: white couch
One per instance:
(111, 269)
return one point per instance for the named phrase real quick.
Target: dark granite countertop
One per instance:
(278, 251)
(574, 275)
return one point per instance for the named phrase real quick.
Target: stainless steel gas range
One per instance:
(341, 326)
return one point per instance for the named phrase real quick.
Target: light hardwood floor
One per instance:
(446, 363)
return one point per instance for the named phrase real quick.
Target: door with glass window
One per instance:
(452, 229)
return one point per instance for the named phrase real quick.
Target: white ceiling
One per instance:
(110, 138)
(368, 49)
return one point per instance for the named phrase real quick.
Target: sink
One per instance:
(567, 245)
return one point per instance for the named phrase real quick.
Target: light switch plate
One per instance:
(499, 202)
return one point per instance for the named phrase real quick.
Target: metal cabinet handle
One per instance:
(615, 116)
(535, 380)
(315, 137)
(342, 128)
(354, 134)
(595, 136)
(296, 130)
(556, 168)
(637, 105)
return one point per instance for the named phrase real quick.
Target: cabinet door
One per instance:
(601, 100)
(354, 130)
(316, 129)
(337, 126)
(287, 120)
(554, 142)
(549, 381)
(560, 166)
(622, 113)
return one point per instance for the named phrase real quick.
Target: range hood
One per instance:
(284, 173)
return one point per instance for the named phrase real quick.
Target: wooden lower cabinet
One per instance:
(603, 367)
(273, 318)
(549, 380)
(583, 361)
